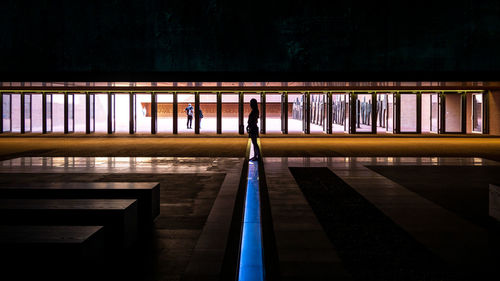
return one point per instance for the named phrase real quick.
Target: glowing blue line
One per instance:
(251, 255)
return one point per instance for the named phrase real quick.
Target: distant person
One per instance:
(201, 117)
(189, 111)
(253, 129)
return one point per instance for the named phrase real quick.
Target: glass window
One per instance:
(122, 112)
(409, 113)
(185, 113)
(383, 113)
(27, 113)
(16, 113)
(453, 113)
(295, 113)
(165, 112)
(230, 113)
(273, 113)
(318, 110)
(6, 112)
(49, 118)
(246, 108)
(364, 113)
(208, 107)
(101, 113)
(143, 112)
(80, 113)
(340, 113)
(58, 113)
(36, 113)
(430, 112)
(477, 113)
(71, 113)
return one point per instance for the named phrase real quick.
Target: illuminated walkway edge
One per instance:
(251, 265)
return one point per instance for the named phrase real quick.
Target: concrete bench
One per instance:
(146, 193)
(118, 216)
(34, 252)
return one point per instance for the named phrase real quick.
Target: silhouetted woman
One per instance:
(253, 130)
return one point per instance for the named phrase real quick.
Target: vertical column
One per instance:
(110, 114)
(374, 113)
(1, 112)
(419, 112)
(22, 113)
(486, 112)
(219, 113)
(262, 112)
(397, 115)
(442, 113)
(153, 113)
(352, 113)
(329, 112)
(87, 112)
(241, 127)
(464, 113)
(284, 115)
(174, 113)
(197, 112)
(131, 120)
(66, 115)
(307, 116)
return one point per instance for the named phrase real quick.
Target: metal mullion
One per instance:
(486, 113)
(442, 115)
(1, 112)
(419, 112)
(285, 112)
(463, 115)
(66, 112)
(22, 113)
(175, 114)
(131, 113)
(308, 113)
(329, 112)
(219, 113)
(87, 113)
(241, 127)
(153, 113)
(374, 113)
(263, 112)
(197, 112)
(397, 116)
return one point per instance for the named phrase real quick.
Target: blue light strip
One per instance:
(251, 255)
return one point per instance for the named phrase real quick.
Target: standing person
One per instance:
(189, 111)
(253, 129)
(201, 117)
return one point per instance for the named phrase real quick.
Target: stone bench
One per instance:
(118, 216)
(146, 193)
(33, 252)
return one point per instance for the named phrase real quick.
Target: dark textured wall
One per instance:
(249, 36)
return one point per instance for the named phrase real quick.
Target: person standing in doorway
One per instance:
(189, 111)
(253, 129)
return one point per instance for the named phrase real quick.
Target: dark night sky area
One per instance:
(228, 36)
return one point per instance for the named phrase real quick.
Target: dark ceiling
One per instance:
(249, 40)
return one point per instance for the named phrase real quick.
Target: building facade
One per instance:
(222, 107)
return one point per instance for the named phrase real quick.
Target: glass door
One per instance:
(91, 113)
(71, 113)
(7, 109)
(477, 113)
(27, 113)
(134, 113)
(296, 113)
(363, 114)
(48, 108)
(112, 108)
(318, 110)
